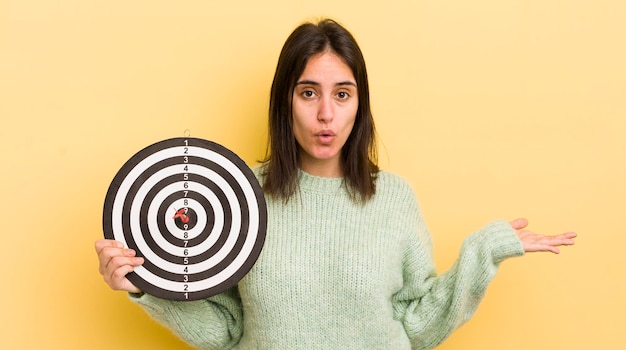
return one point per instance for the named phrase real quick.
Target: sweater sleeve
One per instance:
(431, 307)
(213, 323)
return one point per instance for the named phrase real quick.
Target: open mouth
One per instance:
(325, 133)
(325, 136)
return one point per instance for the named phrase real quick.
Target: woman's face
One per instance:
(325, 102)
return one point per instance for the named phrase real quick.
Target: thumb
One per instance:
(519, 224)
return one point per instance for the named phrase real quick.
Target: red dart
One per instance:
(180, 213)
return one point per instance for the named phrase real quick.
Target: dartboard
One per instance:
(194, 211)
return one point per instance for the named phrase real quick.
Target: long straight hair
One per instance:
(359, 154)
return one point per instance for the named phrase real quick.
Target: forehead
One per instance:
(327, 67)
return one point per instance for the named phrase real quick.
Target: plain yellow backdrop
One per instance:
(491, 109)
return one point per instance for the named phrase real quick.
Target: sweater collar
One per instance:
(314, 183)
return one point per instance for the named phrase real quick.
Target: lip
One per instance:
(325, 136)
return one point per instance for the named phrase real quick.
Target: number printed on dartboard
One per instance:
(194, 211)
(186, 211)
(186, 216)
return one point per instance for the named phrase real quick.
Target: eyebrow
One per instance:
(311, 82)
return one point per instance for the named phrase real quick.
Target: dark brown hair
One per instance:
(358, 155)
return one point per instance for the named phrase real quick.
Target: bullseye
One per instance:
(195, 212)
(182, 217)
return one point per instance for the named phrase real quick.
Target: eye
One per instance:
(343, 95)
(308, 94)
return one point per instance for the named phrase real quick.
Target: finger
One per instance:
(106, 251)
(103, 243)
(116, 271)
(570, 235)
(109, 257)
(562, 239)
(519, 224)
(554, 250)
(116, 277)
(540, 243)
(542, 248)
(119, 281)
(567, 241)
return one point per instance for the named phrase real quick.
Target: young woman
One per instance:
(347, 261)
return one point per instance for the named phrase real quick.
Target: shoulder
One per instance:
(390, 182)
(395, 192)
(258, 171)
(397, 202)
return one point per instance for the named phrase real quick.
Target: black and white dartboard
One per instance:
(194, 211)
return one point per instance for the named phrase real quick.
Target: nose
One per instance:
(326, 112)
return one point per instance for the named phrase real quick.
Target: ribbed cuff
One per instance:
(507, 244)
(500, 239)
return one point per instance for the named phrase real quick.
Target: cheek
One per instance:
(297, 133)
(351, 120)
(301, 120)
(299, 128)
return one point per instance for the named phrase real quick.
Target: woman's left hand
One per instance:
(534, 242)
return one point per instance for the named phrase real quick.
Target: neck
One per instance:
(322, 167)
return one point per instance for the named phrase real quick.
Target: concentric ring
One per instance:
(194, 210)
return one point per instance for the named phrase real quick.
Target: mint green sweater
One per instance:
(338, 275)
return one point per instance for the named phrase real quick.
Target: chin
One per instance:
(325, 156)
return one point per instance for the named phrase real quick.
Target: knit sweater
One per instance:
(335, 274)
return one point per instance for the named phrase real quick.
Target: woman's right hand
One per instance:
(115, 262)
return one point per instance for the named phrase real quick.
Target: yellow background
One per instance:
(490, 108)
